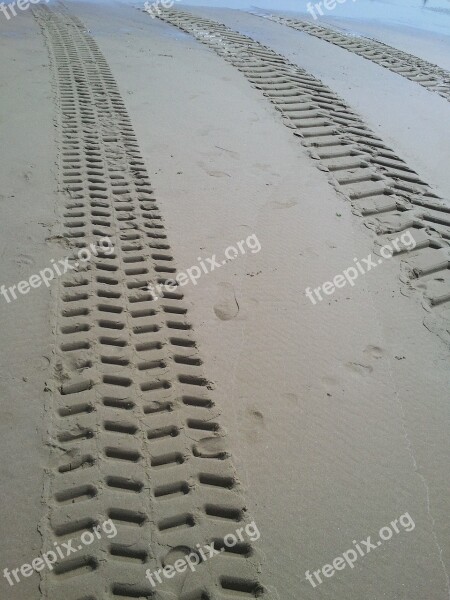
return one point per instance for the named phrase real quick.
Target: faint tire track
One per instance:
(430, 76)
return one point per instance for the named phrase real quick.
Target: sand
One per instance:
(337, 413)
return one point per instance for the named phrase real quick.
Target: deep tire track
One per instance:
(134, 431)
(390, 196)
(430, 76)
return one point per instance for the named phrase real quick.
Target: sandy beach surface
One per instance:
(334, 415)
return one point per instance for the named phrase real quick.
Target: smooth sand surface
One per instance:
(27, 223)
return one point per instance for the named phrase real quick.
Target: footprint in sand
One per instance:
(364, 368)
(218, 174)
(256, 415)
(226, 307)
(359, 368)
(374, 352)
(24, 259)
(212, 172)
(277, 204)
(253, 424)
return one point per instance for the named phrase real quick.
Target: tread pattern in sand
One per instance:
(134, 430)
(380, 186)
(430, 76)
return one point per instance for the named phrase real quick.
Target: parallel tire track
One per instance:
(134, 431)
(430, 76)
(380, 186)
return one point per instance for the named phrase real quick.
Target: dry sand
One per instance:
(337, 414)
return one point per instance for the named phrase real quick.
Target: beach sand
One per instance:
(336, 413)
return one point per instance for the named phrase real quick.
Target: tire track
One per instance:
(134, 430)
(430, 76)
(381, 188)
